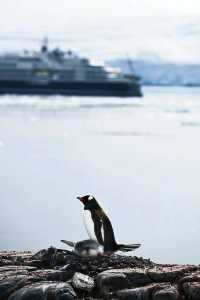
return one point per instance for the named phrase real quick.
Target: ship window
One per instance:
(29, 59)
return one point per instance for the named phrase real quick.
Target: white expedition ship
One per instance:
(51, 72)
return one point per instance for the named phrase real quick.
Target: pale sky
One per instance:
(169, 29)
(34, 10)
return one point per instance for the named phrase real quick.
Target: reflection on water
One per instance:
(140, 157)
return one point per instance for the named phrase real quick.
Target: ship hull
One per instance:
(75, 88)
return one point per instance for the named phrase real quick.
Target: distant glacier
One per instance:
(159, 72)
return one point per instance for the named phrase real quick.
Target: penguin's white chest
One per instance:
(88, 248)
(89, 225)
(90, 252)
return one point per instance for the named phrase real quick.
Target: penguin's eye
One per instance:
(90, 198)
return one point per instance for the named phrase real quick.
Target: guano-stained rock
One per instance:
(169, 273)
(83, 282)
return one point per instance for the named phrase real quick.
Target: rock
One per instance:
(161, 291)
(168, 293)
(192, 290)
(135, 276)
(13, 255)
(169, 273)
(44, 275)
(14, 258)
(143, 293)
(83, 282)
(109, 281)
(5, 262)
(15, 271)
(33, 263)
(45, 290)
(16, 268)
(52, 275)
(195, 276)
(11, 284)
(143, 276)
(53, 257)
(44, 253)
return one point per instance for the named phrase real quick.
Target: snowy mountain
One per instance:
(159, 72)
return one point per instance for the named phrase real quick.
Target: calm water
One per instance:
(139, 157)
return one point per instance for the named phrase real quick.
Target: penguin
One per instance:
(101, 221)
(85, 248)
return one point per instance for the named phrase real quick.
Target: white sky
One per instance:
(33, 10)
(169, 28)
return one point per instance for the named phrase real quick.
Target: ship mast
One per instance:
(45, 43)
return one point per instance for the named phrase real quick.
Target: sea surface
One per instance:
(139, 157)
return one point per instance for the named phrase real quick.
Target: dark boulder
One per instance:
(167, 293)
(142, 293)
(109, 281)
(192, 290)
(12, 284)
(44, 291)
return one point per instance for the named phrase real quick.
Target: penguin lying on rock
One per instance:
(101, 221)
(85, 247)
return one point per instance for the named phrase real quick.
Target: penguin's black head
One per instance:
(89, 202)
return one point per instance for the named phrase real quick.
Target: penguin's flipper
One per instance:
(71, 244)
(129, 247)
(134, 246)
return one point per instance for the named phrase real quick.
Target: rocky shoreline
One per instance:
(56, 274)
